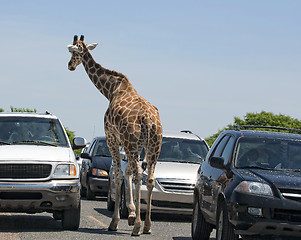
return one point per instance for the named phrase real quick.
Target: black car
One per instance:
(250, 186)
(95, 168)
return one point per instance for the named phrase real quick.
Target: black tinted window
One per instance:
(220, 147)
(268, 153)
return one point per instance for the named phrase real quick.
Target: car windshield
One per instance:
(102, 149)
(267, 153)
(32, 130)
(182, 150)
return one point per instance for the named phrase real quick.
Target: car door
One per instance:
(86, 165)
(210, 177)
(221, 178)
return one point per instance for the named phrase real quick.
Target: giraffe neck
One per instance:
(106, 81)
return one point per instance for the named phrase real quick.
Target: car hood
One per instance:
(281, 179)
(176, 170)
(102, 163)
(35, 153)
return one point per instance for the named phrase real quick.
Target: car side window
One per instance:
(227, 152)
(91, 147)
(220, 147)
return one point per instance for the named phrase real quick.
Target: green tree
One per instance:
(1, 110)
(260, 119)
(13, 109)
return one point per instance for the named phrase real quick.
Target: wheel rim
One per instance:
(220, 226)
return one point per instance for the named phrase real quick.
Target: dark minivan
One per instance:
(250, 185)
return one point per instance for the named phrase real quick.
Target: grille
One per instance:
(287, 215)
(291, 194)
(22, 171)
(176, 185)
(171, 204)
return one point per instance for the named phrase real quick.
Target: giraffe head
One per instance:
(77, 50)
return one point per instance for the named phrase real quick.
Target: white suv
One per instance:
(38, 169)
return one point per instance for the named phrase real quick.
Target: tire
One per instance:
(110, 202)
(83, 191)
(90, 195)
(71, 218)
(58, 215)
(224, 229)
(124, 213)
(200, 229)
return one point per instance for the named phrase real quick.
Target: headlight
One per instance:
(99, 172)
(254, 188)
(65, 170)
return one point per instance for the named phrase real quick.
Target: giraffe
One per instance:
(131, 122)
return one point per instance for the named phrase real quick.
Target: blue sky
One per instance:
(200, 62)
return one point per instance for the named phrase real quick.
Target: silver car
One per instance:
(175, 175)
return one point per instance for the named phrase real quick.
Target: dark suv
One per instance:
(250, 185)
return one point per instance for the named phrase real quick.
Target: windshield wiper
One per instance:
(103, 155)
(5, 143)
(35, 142)
(256, 167)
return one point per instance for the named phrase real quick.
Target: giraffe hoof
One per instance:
(136, 234)
(131, 220)
(147, 231)
(112, 229)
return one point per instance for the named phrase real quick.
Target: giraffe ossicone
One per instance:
(131, 122)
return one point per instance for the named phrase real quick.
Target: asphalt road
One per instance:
(95, 220)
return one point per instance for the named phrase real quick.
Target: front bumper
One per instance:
(33, 197)
(99, 185)
(167, 202)
(273, 215)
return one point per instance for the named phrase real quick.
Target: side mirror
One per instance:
(79, 143)
(217, 162)
(85, 155)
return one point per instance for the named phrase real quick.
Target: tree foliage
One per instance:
(260, 119)
(13, 109)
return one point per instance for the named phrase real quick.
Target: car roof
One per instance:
(28, 114)
(182, 134)
(170, 134)
(264, 134)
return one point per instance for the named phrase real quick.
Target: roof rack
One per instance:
(186, 131)
(239, 127)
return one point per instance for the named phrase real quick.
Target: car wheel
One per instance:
(71, 218)
(123, 208)
(200, 229)
(58, 215)
(90, 195)
(224, 229)
(110, 202)
(83, 191)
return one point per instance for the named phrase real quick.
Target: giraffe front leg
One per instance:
(116, 215)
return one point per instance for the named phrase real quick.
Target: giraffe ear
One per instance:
(92, 46)
(72, 48)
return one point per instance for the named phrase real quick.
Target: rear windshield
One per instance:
(32, 130)
(268, 153)
(182, 150)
